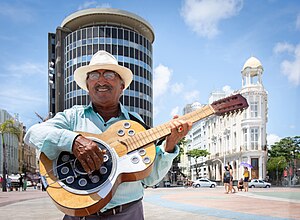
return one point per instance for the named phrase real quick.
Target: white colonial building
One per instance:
(236, 138)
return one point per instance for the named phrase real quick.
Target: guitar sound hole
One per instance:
(76, 178)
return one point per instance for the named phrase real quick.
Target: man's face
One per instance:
(105, 87)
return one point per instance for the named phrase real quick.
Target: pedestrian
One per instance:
(25, 184)
(240, 184)
(21, 182)
(1, 180)
(231, 187)
(8, 183)
(104, 80)
(226, 179)
(246, 178)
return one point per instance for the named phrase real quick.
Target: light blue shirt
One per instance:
(57, 135)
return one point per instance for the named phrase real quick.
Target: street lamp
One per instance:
(277, 171)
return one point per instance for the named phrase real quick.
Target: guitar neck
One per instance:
(161, 131)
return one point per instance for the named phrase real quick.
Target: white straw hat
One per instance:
(106, 61)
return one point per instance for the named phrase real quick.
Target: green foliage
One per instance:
(275, 163)
(282, 153)
(181, 145)
(196, 153)
(288, 147)
(7, 127)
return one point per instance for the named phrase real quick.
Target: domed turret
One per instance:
(253, 65)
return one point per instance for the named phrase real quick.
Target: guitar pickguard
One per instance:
(73, 178)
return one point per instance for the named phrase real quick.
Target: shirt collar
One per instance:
(124, 111)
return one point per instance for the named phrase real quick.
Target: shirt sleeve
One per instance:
(52, 136)
(162, 164)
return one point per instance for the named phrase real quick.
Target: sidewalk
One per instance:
(173, 203)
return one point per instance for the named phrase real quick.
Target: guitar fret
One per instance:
(146, 137)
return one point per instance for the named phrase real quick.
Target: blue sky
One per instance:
(200, 46)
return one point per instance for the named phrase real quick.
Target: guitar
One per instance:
(130, 153)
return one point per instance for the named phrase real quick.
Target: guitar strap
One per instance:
(134, 118)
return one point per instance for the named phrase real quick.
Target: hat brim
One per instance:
(80, 74)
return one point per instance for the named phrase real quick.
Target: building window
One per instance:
(254, 138)
(245, 139)
(254, 109)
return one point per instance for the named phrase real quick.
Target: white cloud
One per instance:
(192, 96)
(177, 88)
(227, 89)
(290, 68)
(272, 138)
(24, 70)
(174, 111)
(16, 13)
(93, 4)
(161, 80)
(203, 16)
(283, 47)
(298, 22)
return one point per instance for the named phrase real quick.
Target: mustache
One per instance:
(103, 87)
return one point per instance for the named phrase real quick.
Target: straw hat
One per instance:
(102, 60)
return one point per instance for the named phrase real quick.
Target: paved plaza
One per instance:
(174, 203)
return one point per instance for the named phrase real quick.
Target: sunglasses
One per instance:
(108, 75)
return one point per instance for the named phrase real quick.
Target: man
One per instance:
(105, 81)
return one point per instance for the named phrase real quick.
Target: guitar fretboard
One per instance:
(149, 136)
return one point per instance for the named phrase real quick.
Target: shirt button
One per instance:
(105, 124)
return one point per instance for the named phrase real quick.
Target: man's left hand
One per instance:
(179, 129)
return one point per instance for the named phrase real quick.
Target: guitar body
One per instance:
(77, 194)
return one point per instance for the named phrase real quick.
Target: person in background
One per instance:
(226, 179)
(240, 184)
(1, 180)
(21, 183)
(246, 178)
(25, 183)
(231, 187)
(104, 80)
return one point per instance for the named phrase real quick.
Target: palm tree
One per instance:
(7, 127)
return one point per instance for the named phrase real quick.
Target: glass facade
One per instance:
(131, 49)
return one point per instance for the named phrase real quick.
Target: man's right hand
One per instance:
(88, 153)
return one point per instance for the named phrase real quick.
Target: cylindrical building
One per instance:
(125, 35)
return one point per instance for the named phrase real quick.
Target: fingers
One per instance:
(180, 127)
(88, 153)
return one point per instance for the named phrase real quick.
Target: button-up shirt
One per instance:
(57, 135)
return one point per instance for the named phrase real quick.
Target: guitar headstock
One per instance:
(230, 104)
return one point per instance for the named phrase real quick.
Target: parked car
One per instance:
(256, 183)
(204, 182)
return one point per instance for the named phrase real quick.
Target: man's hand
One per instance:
(88, 153)
(179, 129)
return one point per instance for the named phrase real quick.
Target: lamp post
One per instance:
(277, 171)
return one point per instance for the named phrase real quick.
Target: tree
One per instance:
(196, 153)
(282, 154)
(7, 127)
(182, 143)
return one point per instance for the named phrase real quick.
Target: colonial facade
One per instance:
(236, 138)
(20, 158)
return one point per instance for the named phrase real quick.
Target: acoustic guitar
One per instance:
(130, 153)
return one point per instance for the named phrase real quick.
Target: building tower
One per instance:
(125, 35)
(255, 118)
